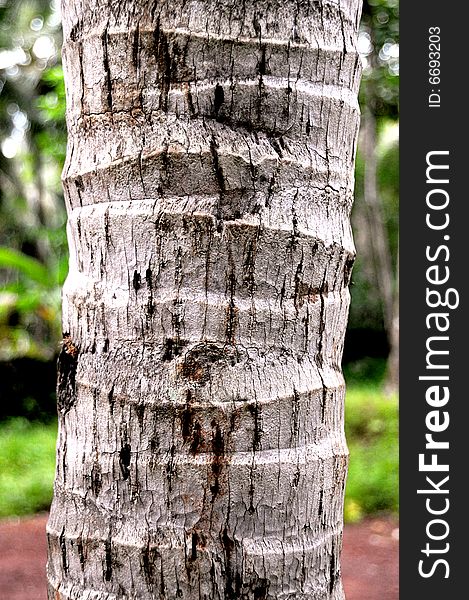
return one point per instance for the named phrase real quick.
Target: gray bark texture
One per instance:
(209, 182)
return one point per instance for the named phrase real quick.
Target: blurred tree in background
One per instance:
(373, 325)
(33, 256)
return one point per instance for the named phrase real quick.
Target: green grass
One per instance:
(27, 458)
(371, 427)
(27, 463)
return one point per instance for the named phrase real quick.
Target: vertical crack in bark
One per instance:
(148, 279)
(218, 100)
(136, 48)
(170, 472)
(232, 587)
(332, 568)
(63, 551)
(148, 564)
(164, 62)
(322, 322)
(108, 559)
(81, 554)
(124, 460)
(295, 423)
(218, 460)
(191, 429)
(107, 71)
(96, 479)
(321, 507)
(342, 29)
(220, 179)
(111, 399)
(249, 266)
(136, 281)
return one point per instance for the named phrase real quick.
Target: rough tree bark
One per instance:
(209, 180)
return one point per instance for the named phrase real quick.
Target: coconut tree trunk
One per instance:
(209, 179)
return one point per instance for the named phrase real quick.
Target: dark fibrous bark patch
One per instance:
(163, 59)
(322, 325)
(67, 367)
(190, 103)
(276, 146)
(220, 179)
(348, 270)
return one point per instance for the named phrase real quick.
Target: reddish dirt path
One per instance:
(369, 559)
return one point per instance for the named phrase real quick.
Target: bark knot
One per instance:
(197, 362)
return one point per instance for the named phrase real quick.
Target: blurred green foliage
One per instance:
(371, 429)
(379, 47)
(33, 250)
(379, 93)
(27, 463)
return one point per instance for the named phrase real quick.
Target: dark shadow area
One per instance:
(27, 389)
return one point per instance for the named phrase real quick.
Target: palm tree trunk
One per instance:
(209, 182)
